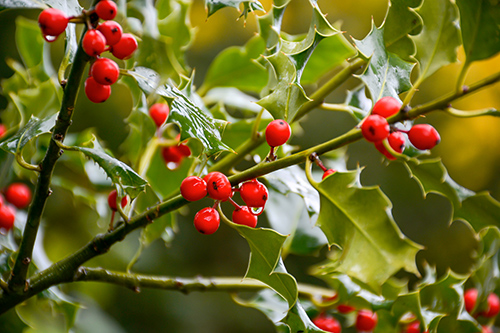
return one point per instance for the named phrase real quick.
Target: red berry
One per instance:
(244, 216)
(344, 308)
(207, 221)
(277, 132)
(94, 43)
(112, 197)
(125, 47)
(375, 128)
(184, 150)
(493, 306)
(218, 186)
(96, 92)
(7, 217)
(254, 193)
(396, 141)
(112, 31)
(328, 173)
(171, 154)
(159, 113)
(327, 323)
(486, 329)
(3, 130)
(386, 106)
(105, 71)
(470, 299)
(413, 327)
(52, 22)
(193, 188)
(18, 194)
(424, 136)
(106, 10)
(366, 320)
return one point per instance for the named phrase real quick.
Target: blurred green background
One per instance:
(469, 149)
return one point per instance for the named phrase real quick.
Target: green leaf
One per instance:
(34, 128)
(486, 271)
(386, 73)
(215, 5)
(238, 67)
(184, 112)
(21, 4)
(400, 22)
(359, 104)
(479, 22)
(439, 40)
(69, 7)
(29, 42)
(358, 221)
(297, 320)
(480, 210)
(119, 172)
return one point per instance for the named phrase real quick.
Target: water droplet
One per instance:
(49, 39)
(257, 210)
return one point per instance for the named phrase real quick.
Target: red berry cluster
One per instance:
(217, 186)
(414, 327)
(376, 129)
(99, 38)
(491, 309)
(175, 154)
(17, 195)
(327, 323)
(366, 320)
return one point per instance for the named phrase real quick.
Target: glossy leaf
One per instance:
(357, 220)
(21, 4)
(386, 74)
(439, 40)
(69, 7)
(479, 21)
(480, 210)
(359, 104)
(215, 5)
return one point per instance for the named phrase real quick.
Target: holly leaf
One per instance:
(386, 73)
(358, 222)
(250, 5)
(358, 103)
(21, 4)
(480, 210)
(69, 7)
(184, 112)
(439, 40)
(479, 22)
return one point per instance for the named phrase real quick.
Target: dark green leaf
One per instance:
(480, 210)
(297, 320)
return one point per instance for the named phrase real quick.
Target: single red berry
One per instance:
(277, 132)
(171, 154)
(244, 216)
(366, 320)
(112, 197)
(493, 306)
(254, 193)
(328, 173)
(52, 22)
(207, 221)
(112, 31)
(18, 194)
(159, 113)
(96, 92)
(218, 186)
(125, 47)
(327, 323)
(470, 299)
(7, 217)
(386, 106)
(1, 200)
(344, 308)
(184, 150)
(486, 329)
(106, 9)
(105, 71)
(94, 43)
(424, 136)
(413, 327)
(375, 128)
(3, 130)
(193, 188)
(397, 142)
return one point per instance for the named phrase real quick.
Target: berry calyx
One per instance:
(94, 43)
(207, 221)
(397, 142)
(125, 47)
(424, 136)
(106, 9)
(218, 186)
(366, 320)
(96, 92)
(112, 197)
(112, 31)
(375, 128)
(386, 106)
(244, 216)
(18, 194)
(493, 306)
(105, 71)
(277, 132)
(193, 188)
(254, 193)
(52, 22)
(328, 173)
(327, 323)
(470, 299)
(159, 113)
(7, 217)
(345, 309)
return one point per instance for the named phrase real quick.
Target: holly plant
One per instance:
(294, 174)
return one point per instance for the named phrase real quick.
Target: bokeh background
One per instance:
(470, 150)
